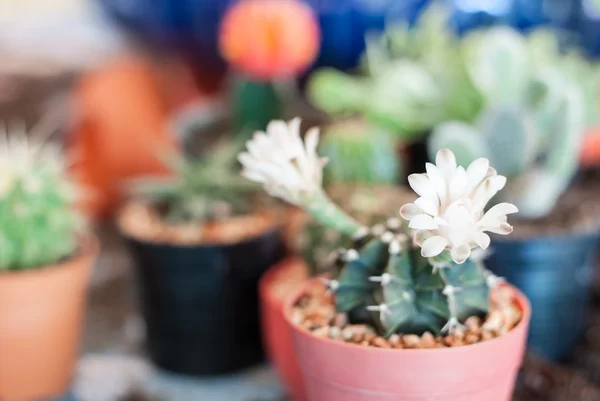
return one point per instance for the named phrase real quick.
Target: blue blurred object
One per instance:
(556, 275)
(521, 14)
(589, 26)
(191, 26)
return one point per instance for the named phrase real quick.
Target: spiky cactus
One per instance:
(370, 205)
(201, 189)
(360, 153)
(39, 224)
(385, 279)
(533, 123)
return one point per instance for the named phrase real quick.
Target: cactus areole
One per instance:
(422, 270)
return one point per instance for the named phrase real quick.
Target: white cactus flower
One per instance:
(287, 167)
(449, 215)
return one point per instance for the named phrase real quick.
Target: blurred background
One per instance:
(126, 81)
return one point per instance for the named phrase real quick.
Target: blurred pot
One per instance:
(41, 315)
(281, 280)
(337, 371)
(200, 302)
(556, 275)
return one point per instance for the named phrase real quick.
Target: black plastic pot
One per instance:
(556, 274)
(200, 303)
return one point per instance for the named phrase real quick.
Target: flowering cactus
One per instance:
(406, 276)
(270, 39)
(38, 222)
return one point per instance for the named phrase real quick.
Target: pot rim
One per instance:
(520, 298)
(277, 225)
(88, 250)
(269, 276)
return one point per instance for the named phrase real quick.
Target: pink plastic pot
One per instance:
(275, 286)
(336, 371)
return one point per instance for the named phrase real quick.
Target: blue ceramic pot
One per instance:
(556, 275)
(200, 303)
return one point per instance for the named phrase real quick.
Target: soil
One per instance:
(577, 211)
(316, 312)
(143, 222)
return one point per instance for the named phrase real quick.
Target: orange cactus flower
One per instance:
(270, 39)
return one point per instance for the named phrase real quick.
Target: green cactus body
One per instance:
(359, 153)
(404, 293)
(370, 205)
(39, 224)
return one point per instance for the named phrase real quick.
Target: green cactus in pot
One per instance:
(202, 189)
(39, 224)
(416, 272)
(360, 153)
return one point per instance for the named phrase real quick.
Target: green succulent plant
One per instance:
(414, 78)
(359, 153)
(39, 224)
(532, 126)
(201, 189)
(400, 277)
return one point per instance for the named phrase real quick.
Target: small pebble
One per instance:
(427, 340)
(473, 324)
(458, 333)
(487, 335)
(370, 337)
(472, 338)
(411, 340)
(394, 340)
(322, 331)
(335, 333)
(381, 342)
(493, 322)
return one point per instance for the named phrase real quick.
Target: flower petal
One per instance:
(460, 254)
(477, 171)
(433, 246)
(420, 236)
(482, 240)
(458, 184)
(422, 186)
(428, 206)
(502, 209)
(502, 229)
(423, 222)
(486, 191)
(409, 211)
(436, 176)
(446, 161)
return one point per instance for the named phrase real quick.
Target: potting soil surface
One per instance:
(113, 366)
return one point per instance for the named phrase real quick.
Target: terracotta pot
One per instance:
(337, 371)
(279, 281)
(119, 132)
(41, 315)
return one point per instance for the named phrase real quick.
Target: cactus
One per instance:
(39, 225)
(532, 126)
(370, 205)
(360, 154)
(385, 280)
(382, 272)
(202, 189)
